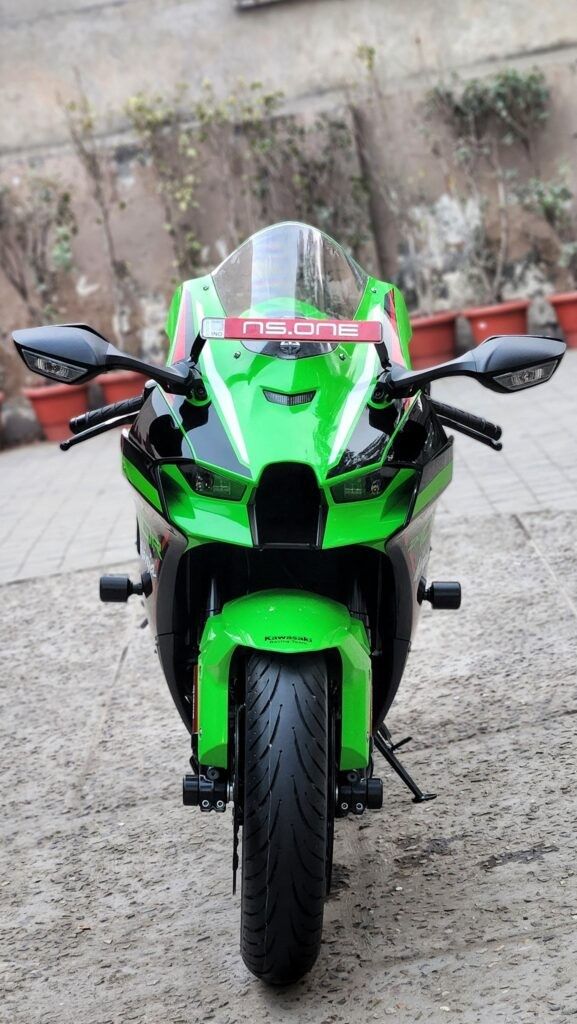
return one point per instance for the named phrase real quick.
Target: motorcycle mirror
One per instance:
(75, 353)
(504, 363)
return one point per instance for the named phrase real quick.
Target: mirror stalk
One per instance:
(177, 379)
(75, 353)
(505, 364)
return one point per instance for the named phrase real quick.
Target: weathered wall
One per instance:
(304, 48)
(307, 49)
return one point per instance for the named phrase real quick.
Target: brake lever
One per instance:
(469, 432)
(101, 428)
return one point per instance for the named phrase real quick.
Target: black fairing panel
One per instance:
(369, 439)
(188, 431)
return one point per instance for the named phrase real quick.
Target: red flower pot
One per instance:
(506, 318)
(433, 339)
(55, 405)
(565, 306)
(121, 384)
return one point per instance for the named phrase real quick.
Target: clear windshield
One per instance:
(290, 270)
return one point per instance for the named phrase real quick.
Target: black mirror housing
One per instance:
(75, 353)
(505, 363)
(512, 362)
(70, 353)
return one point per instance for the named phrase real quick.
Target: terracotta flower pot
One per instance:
(506, 318)
(55, 404)
(121, 384)
(433, 339)
(565, 306)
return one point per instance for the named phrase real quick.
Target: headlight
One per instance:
(362, 488)
(178, 479)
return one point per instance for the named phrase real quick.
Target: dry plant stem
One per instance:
(375, 189)
(94, 159)
(36, 227)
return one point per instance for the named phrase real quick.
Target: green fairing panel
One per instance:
(141, 484)
(262, 432)
(364, 522)
(286, 622)
(206, 518)
(236, 378)
(403, 322)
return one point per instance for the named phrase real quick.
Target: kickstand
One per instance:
(385, 746)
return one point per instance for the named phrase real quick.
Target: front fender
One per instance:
(286, 622)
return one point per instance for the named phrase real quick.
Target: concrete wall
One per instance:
(307, 49)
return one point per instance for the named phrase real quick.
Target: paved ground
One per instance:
(537, 468)
(63, 511)
(116, 899)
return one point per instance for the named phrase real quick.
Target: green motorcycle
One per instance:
(285, 463)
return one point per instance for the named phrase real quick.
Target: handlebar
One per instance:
(127, 407)
(467, 419)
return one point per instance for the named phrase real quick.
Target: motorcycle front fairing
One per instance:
(291, 471)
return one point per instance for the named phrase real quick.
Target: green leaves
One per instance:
(269, 165)
(512, 104)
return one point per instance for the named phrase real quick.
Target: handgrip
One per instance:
(127, 407)
(468, 419)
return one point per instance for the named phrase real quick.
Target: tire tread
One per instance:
(284, 838)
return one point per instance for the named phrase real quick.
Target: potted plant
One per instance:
(55, 404)
(553, 201)
(433, 339)
(121, 384)
(503, 318)
(565, 306)
(491, 125)
(37, 226)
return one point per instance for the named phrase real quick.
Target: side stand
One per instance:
(386, 747)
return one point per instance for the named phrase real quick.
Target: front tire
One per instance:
(286, 830)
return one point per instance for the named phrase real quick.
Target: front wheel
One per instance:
(287, 832)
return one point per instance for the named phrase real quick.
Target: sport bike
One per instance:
(285, 463)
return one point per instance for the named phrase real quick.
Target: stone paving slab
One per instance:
(537, 468)
(61, 512)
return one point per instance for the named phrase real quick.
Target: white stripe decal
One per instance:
(355, 400)
(225, 402)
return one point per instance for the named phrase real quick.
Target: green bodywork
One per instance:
(261, 433)
(286, 622)
(236, 378)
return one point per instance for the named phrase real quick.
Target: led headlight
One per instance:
(177, 479)
(215, 485)
(362, 488)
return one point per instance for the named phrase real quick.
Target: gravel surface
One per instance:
(116, 900)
